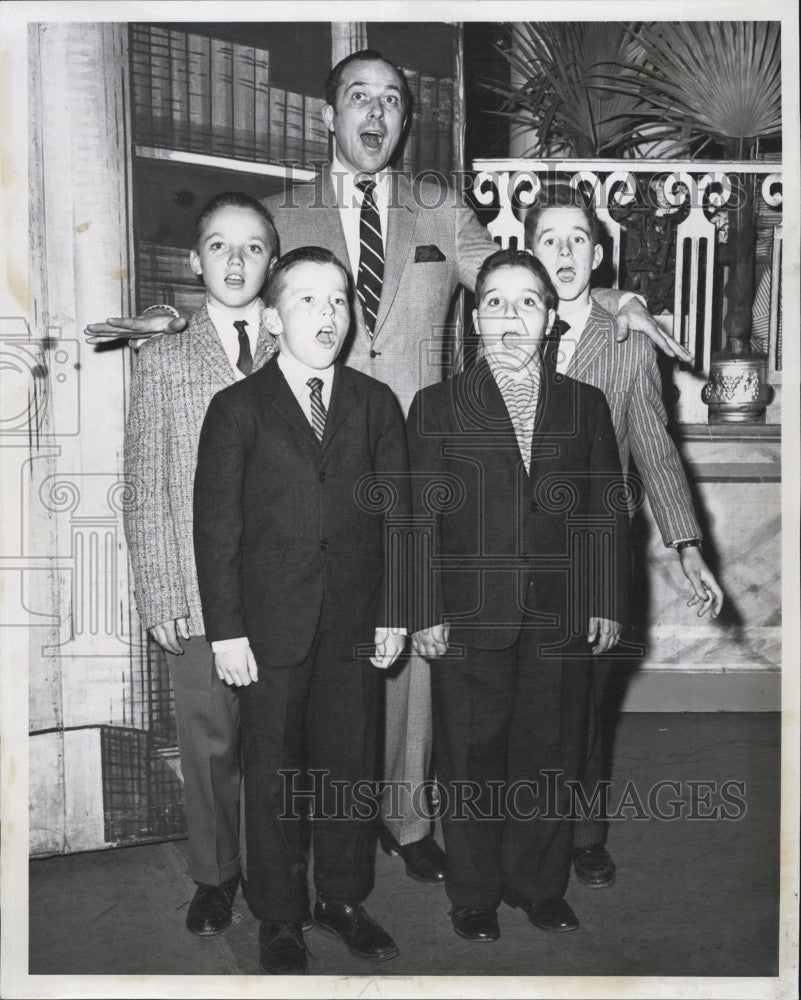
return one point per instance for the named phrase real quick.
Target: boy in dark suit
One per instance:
(516, 478)
(293, 575)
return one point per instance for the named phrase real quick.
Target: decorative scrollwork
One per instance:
(123, 496)
(556, 495)
(59, 495)
(376, 493)
(444, 494)
(624, 495)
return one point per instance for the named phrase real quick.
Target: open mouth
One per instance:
(372, 139)
(234, 280)
(566, 273)
(510, 338)
(326, 336)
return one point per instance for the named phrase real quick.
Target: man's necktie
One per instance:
(245, 360)
(317, 409)
(371, 256)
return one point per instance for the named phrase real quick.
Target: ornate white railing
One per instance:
(702, 192)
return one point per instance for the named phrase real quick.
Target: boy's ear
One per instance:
(194, 262)
(272, 321)
(597, 255)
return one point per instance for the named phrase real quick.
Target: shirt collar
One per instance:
(576, 320)
(297, 374)
(223, 319)
(531, 373)
(344, 182)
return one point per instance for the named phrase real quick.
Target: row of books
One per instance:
(163, 275)
(207, 95)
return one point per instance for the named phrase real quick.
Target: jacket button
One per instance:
(534, 505)
(324, 544)
(373, 354)
(321, 476)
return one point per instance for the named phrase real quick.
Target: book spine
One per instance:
(427, 149)
(179, 88)
(413, 127)
(141, 85)
(222, 97)
(294, 127)
(445, 126)
(261, 114)
(244, 83)
(199, 87)
(277, 124)
(316, 133)
(160, 86)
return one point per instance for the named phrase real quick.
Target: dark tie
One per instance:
(245, 360)
(371, 256)
(317, 408)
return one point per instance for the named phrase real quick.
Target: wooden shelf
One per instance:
(224, 163)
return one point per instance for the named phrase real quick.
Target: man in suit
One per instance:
(429, 242)
(561, 230)
(530, 461)
(294, 575)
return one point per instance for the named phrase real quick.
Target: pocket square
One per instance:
(428, 253)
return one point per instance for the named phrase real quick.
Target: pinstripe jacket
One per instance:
(628, 376)
(174, 380)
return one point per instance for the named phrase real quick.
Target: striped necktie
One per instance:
(318, 413)
(371, 256)
(245, 360)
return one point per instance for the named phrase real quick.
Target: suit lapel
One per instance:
(594, 339)
(343, 398)
(327, 216)
(276, 390)
(554, 405)
(265, 348)
(206, 342)
(481, 408)
(401, 217)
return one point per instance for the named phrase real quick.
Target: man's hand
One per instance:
(431, 642)
(236, 666)
(389, 645)
(166, 635)
(606, 631)
(634, 316)
(706, 590)
(136, 328)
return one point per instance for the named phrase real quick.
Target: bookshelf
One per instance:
(238, 106)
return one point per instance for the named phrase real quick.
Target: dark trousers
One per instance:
(502, 718)
(591, 829)
(321, 714)
(207, 719)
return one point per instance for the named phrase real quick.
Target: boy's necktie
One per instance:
(371, 256)
(317, 409)
(245, 360)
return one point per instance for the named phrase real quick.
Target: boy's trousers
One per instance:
(207, 717)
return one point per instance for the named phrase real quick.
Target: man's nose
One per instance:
(376, 108)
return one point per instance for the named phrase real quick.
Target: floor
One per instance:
(694, 896)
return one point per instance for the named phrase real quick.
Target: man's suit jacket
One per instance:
(508, 540)
(283, 520)
(433, 243)
(628, 376)
(174, 380)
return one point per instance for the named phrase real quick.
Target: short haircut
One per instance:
(301, 255)
(236, 199)
(516, 258)
(559, 196)
(334, 78)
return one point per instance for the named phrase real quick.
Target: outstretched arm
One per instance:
(706, 589)
(633, 316)
(138, 328)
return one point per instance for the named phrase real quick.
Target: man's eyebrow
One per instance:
(367, 83)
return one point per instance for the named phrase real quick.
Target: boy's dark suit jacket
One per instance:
(507, 539)
(280, 518)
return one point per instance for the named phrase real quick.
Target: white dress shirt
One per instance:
(297, 375)
(223, 320)
(569, 340)
(349, 201)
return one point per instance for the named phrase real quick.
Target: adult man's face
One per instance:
(369, 115)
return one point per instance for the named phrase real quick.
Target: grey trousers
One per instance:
(407, 748)
(207, 717)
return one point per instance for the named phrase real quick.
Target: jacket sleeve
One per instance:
(657, 457)
(473, 244)
(426, 606)
(219, 522)
(159, 586)
(608, 501)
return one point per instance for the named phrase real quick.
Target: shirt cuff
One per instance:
(226, 645)
(397, 631)
(694, 540)
(626, 297)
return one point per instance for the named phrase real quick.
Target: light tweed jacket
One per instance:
(175, 377)
(628, 376)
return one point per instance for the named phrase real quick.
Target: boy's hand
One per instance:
(634, 316)
(134, 328)
(389, 645)
(432, 642)
(236, 666)
(706, 590)
(166, 635)
(606, 631)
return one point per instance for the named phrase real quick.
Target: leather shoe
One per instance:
(362, 936)
(282, 950)
(552, 914)
(424, 859)
(211, 909)
(475, 925)
(594, 866)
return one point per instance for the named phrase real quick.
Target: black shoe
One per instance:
(282, 951)
(348, 921)
(594, 866)
(552, 914)
(424, 859)
(210, 911)
(475, 925)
